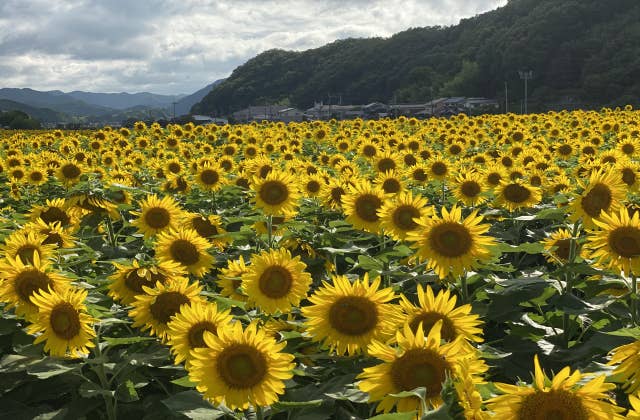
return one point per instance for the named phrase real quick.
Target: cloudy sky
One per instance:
(172, 47)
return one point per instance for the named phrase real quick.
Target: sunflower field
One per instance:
(461, 268)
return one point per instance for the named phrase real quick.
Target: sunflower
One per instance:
(187, 248)
(438, 168)
(209, 178)
(390, 182)
(69, 172)
(240, 368)
(335, 190)
(604, 193)
(36, 176)
(230, 280)
(627, 371)
(276, 193)
(452, 244)
(468, 189)
(209, 227)
(398, 214)
(493, 175)
(129, 281)
(347, 316)
(560, 397)
(153, 310)
(456, 322)
(465, 383)
(275, 281)
(157, 215)
(55, 210)
(24, 244)
(513, 195)
(313, 185)
(634, 412)
(20, 282)
(62, 322)
(558, 245)
(52, 233)
(186, 329)
(629, 174)
(361, 205)
(418, 361)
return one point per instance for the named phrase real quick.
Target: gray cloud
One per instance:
(177, 47)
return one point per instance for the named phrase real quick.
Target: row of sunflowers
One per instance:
(462, 268)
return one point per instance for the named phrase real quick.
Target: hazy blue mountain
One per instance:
(55, 100)
(125, 100)
(41, 114)
(183, 106)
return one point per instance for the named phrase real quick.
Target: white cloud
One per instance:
(177, 47)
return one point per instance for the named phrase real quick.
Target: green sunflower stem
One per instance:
(109, 401)
(634, 299)
(569, 277)
(269, 231)
(444, 191)
(464, 288)
(111, 232)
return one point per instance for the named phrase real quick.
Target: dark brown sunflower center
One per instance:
(184, 252)
(55, 214)
(204, 227)
(429, 319)
(337, 193)
(391, 186)
(53, 238)
(563, 248)
(25, 252)
(36, 176)
(470, 189)
(403, 217)
(516, 193)
(625, 241)
(313, 186)
(174, 167)
(157, 217)
(628, 176)
(367, 206)
(196, 333)
(70, 171)
(494, 178)
(353, 315)
(30, 281)
(274, 193)
(420, 368)
(455, 149)
(241, 366)
(167, 305)
(419, 175)
(596, 200)
(134, 281)
(209, 177)
(275, 282)
(450, 239)
(65, 321)
(565, 150)
(628, 149)
(386, 164)
(369, 150)
(554, 404)
(439, 168)
(535, 180)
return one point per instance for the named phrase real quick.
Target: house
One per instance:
(290, 115)
(481, 104)
(320, 111)
(258, 113)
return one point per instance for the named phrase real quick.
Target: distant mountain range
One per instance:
(582, 53)
(78, 106)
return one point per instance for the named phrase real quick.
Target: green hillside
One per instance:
(582, 53)
(40, 114)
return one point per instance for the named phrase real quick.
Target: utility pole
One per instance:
(506, 98)
(525, 75)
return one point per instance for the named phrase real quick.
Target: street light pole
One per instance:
(525, 75)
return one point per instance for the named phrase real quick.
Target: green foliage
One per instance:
(18, 120)
(581, 52)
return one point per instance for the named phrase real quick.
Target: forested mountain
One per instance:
(183, 106)
(124, 100)
(40, 114)
(582, 53)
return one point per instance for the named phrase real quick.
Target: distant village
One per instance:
(320, 111)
